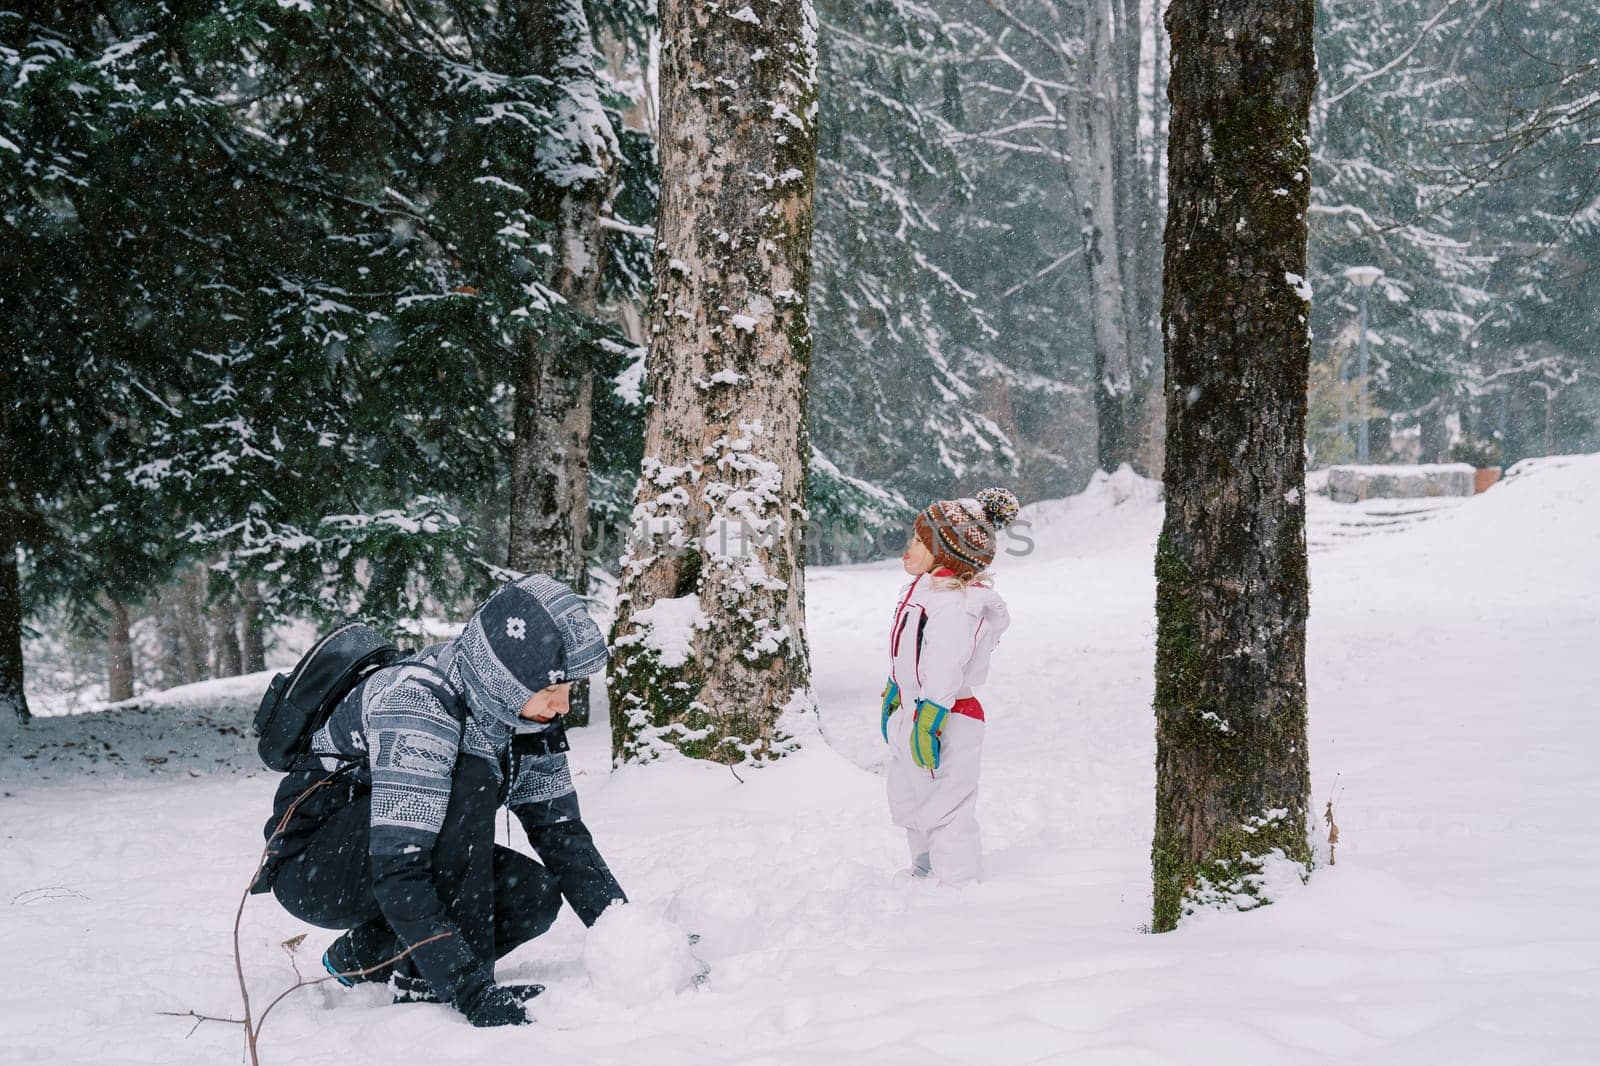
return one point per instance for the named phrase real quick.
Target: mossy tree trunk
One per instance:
(709, 637)
(1232, 776)
(554, 401)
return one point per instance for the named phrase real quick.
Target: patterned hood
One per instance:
(531, 634)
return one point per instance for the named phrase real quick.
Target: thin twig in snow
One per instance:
(374, 968)
(198, 1018)
(252, 1026)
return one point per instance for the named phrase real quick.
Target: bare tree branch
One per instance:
(1027, 30)
(1060, 261)
(1422, 35)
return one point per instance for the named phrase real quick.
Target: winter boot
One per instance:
(341, 963)
(917, 872)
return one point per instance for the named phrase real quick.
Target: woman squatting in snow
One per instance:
(402, 854)
(946, 625)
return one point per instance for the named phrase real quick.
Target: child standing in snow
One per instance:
(946, 625)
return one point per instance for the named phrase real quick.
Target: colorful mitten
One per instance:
(925, 731)
(891, 701)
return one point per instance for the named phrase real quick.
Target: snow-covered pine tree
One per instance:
(121, 287)
(898, 338)
(1449, 150)
(709, 636)
(323, 453)
(1530, 183)
(275, 275)
(1232, 775)
(187, 328)
(420, 142)
(1392, 76)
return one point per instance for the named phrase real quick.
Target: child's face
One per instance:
(916, 559)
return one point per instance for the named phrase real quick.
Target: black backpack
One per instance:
(299, 702)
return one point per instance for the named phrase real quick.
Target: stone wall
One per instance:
(1348, 484)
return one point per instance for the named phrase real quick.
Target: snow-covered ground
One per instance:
(1454, 662)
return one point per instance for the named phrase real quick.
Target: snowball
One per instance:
(634, 955)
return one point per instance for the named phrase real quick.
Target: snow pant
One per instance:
(938, 808)
(498, 898)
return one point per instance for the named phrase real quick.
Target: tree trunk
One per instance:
(1434, 439)
(119, 654)
(227, 657)
(13, 700)
(193, 631)
(1550, 422)
(1136, 235)
(1232, 775)
(169, 633)
(1151, 456)
(252, 631)
(13, 697)
(1093, 124)
(719, 508)
(554, 405)
(385, 593)
(182, 624)
(1147, 277)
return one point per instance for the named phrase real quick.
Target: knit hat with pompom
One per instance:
(961, 533)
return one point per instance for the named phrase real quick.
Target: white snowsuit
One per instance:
(939, 649)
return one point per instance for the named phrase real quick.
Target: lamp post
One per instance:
(1363, 278)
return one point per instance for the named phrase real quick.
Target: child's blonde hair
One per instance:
(981, 578)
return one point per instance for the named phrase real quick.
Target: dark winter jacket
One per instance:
(411, 729)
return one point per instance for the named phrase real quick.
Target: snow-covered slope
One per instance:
(1453, 678)
(191, 729)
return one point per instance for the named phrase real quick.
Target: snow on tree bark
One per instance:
(555, 390)
(1231, 594)
(709, 637)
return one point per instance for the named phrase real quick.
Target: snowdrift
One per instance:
(1452, 718)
